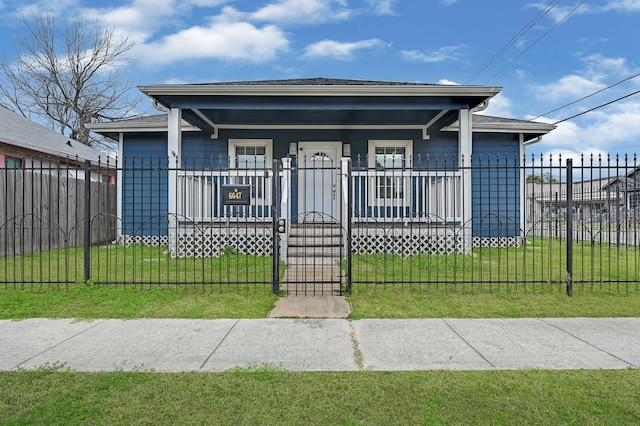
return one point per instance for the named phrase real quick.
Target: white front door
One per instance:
(318, 168)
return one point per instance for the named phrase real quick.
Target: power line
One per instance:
(513, 40)
(587, 96)
(536, 41)
(597, 107)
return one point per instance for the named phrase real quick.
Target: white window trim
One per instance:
(375, 143)
(408, 152)
(266, 143)
(265, 200)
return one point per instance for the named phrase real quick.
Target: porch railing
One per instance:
(425, 196)
(199, 194)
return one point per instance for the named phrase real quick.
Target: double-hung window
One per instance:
(390, 159)
(249, 159)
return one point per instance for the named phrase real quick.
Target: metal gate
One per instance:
(313, 243)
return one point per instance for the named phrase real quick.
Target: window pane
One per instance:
(388, 157)
(250, 157)
(12, 163)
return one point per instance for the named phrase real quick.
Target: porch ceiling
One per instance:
(319, 116)
(319, 102)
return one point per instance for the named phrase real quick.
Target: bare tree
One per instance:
(68, 76)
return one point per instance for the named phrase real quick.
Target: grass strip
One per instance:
(450, 301)
(155, 301)
(370, 301)
(249, 397)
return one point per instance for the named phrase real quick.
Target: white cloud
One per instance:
(601, 67)
(613, 128)
(54, 8)
(205, 3)
(223, 39)
(340, 50)
(623, 5)
(446, 53)
(381, 7)
(287, 12)
(138, 20)
(568, 87)
(499, 106)
(445, 81)
(448, 2)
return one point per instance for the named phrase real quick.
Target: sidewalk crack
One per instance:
(59, 343)
(468, 344)
(358, 357)
(218, 345)
(588, 343)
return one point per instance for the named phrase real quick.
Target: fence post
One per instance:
(347, 214)
(569, 227)
(275, 205)
(87, 220)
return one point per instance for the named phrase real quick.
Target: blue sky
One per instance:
(550, 53)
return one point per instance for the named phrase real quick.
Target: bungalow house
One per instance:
(378, 160)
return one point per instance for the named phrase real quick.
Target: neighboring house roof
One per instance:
(149, 123)
(25, 134)
(624, 184)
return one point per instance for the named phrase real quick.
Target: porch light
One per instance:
(346, 150)
(293, 148)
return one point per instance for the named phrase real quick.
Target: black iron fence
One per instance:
(487, 223)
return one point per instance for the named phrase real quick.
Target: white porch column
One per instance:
(174, 147)
(285, 205)
(464, 153)
(344, 199)
(523, 190)
(119, 168)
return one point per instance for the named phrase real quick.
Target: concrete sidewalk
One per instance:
(321, 344)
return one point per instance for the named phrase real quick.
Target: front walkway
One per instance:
(321, 344)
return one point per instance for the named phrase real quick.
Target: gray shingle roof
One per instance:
(23, 133)
(318, 81)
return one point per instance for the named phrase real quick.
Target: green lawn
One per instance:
(532, 397)
(539, 261)
(134, 264)
(264, 395)
(135, 301)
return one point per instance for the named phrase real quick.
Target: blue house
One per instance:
(380, 160)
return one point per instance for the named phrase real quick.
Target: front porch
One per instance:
(414, 210)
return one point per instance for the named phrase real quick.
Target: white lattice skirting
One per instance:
(147, 240)
(209, 242)
(212, 242)
(498, 242)
(406, 241)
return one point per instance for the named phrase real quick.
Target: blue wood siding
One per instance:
(496, 185)
(199, 151)
(144, 184)
(495, 190)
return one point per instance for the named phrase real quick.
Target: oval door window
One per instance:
(319, 156)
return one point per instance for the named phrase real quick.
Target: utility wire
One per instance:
(536, 41)
(514, 39)
(597, 107)
(587, 96)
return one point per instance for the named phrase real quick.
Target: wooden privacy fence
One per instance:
(44, 207)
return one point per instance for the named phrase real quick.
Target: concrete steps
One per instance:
(314, 255)
(315, 244)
